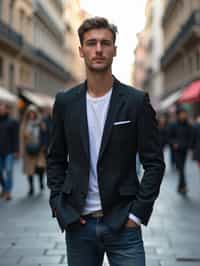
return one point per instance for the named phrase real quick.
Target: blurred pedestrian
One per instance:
(181, 140)
(196, 141)
(9, 149)
(98, 128)
(170, 127)
(163, 130)
(32, 148)
(2, 184)
(47, 122)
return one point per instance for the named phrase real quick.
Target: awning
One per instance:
(171, 99)
(7, 96)
(39, 99)
(191, 93)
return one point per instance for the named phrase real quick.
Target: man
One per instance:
(181, 141)
(9, 148)
(98, 127)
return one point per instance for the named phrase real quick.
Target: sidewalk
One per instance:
(29, 236)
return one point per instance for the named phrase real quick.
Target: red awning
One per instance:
(191, 93)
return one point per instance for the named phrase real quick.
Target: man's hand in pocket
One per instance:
(131, 224)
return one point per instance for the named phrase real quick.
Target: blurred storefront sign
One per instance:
(191, 93)
(39, 99)
(169, 101)
(7, 96)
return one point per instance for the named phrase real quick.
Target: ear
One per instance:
(115, 50)
(81, 51)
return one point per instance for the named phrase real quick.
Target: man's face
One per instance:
(98, 50)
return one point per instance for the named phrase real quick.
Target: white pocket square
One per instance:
(122, 122)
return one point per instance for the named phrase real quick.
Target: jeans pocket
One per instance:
(134, 232)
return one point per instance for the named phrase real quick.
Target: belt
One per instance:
(95, 214)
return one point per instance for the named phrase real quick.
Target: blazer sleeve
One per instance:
(57, 153)
(151, 157)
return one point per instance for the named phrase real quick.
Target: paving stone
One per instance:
(3, 251)
(7, 244)
(53, 252)
(60, 245)
(34, 245)
(9, 261)
(41, 259)
(24, 252)
(152, 262)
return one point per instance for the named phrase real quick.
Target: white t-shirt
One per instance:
(97, 108)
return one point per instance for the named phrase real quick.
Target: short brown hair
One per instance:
(96, 23)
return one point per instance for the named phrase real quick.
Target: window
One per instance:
(1, 66)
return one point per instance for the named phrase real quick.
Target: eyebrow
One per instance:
(95, 40)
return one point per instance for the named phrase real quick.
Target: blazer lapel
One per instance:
(116, 102)
(83, 119)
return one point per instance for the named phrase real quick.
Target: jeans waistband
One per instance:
(95, 214)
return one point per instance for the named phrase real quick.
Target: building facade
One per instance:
(15, 31)
(33, 50)
(180, 61)
(74, 16)
(140, 61)
(153, 82)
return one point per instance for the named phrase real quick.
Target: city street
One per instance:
(29, 236)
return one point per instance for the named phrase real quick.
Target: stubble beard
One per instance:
(102, 69)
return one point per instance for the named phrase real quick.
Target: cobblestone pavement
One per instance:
(29, 236)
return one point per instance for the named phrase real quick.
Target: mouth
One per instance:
(99, 59)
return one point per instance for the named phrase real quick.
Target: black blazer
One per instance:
(68, 161)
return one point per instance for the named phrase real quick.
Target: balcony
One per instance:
(189, 29)
(16, 42)
(50, 21)
(10, 37)
(51, 65)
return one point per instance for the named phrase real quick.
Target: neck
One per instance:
(99, 84)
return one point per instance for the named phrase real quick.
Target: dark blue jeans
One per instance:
(6, 169)
(87, 244)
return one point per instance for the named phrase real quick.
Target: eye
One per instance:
(106, 43)
(91, 43)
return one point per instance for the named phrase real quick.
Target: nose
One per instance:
(98, 47)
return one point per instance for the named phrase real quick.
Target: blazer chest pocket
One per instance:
(122, 126)
(122, 132)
